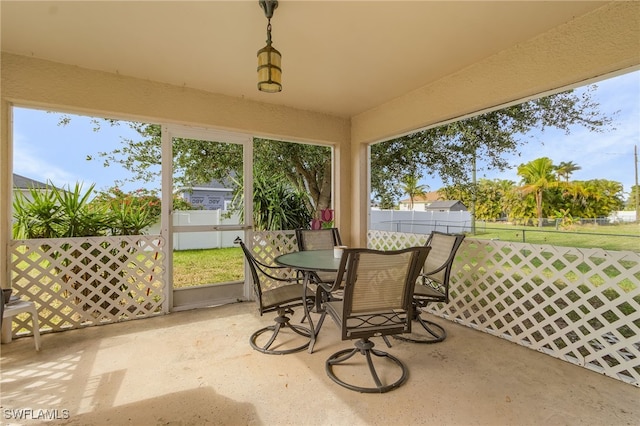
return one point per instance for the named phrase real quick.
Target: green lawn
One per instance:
(197, 267)
(608, 237)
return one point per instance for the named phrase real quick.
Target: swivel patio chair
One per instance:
(433, 286)
(320, 239)
(377, 302)
(276, 293)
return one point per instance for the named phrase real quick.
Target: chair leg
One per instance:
(365, 347)
(281, 322)
(435, 333)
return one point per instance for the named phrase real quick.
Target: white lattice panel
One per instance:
(85, 281)
(267, 245)
(579, 305)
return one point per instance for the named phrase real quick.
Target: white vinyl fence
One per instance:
(622, 216)
(420, 222)
(201, 240)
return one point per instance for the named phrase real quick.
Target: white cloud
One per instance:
(27, 163)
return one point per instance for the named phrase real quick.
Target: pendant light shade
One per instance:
(269, 59)
(269, 69)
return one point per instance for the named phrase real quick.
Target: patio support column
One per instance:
(343, 188)
(359, 165)
(5, 191)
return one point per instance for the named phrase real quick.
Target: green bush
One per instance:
(65, 212)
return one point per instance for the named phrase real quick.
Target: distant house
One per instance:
(446, 206)
(419, 202)
(211, 196)
(24, 185)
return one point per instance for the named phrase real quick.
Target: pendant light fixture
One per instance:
(269, 59)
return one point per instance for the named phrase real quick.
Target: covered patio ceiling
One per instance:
(354, 72)
(340, 58)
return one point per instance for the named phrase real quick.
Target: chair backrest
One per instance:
(437, 267)
(378, 290)
(264, 277)
(320, 239)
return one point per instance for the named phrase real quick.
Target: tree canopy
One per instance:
(306, 168)
(451, 150)
(542, 193)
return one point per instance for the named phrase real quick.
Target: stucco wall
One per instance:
(594, 46)
(38, 83)
(591, 46)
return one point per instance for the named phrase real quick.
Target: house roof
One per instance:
(428, 197)
(443, 204)
(21, 182)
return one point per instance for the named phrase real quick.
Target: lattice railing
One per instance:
(77, 282)
(578, 305)
(267, 245)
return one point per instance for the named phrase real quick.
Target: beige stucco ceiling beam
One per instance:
(40, 82)
(596, 44)
(592, 45)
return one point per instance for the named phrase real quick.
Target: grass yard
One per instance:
(613, 237)
(197, 267)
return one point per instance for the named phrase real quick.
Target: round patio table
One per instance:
(308, 261)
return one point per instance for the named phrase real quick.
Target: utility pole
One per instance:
(473, 196)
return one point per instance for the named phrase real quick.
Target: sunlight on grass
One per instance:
(614, 237)
(207, 266)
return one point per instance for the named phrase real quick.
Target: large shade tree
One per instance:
(452, 151)
(306, 168)
(449, 151)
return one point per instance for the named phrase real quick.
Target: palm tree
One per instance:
(411, 187)
(565, 169)
(537, 177)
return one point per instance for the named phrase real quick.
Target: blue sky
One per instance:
(46, 151)
(608, 155)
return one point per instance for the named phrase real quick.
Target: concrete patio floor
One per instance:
(197, 368)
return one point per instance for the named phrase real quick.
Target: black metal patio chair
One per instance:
(377, 302)
(276, 293)
(320, 239)
(433, 286)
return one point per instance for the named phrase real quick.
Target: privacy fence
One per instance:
(420, 222)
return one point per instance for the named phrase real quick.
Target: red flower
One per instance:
(316, 224)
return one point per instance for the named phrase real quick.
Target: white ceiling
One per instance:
(339, 57)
